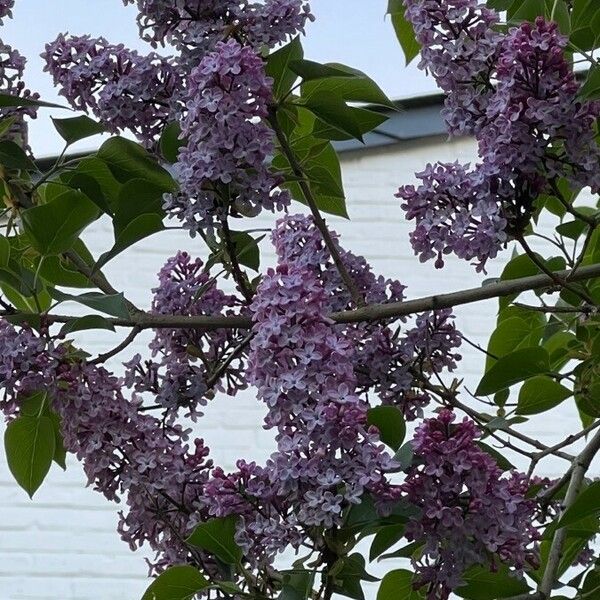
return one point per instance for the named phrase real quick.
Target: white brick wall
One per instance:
(63, 544)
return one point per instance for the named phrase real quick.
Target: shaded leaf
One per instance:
(77, 128)
(217, 537)
(29, 443)
(513, 368)
(54, 227)
(539, 394)
(390, 423)
(181, 582)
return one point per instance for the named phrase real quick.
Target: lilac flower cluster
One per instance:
(195, 26)
(327, 456)
(459, 48)
(6, 7)
(537, 126)
(12, 69)
(125, 454)
(456, 210)
(122, 88)
(223, 166)
(384, 360)
(187, 361)
(470, 511)
(516, 92)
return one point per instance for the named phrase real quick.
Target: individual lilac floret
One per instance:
(6, 7)
(223, 169)
(122, 88)
(459, 48)
(455, 210)
(182, 373)
(470, 510)
(327, 456)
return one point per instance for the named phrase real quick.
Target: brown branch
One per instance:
(560, 281)
(349, 282)
(101, 358)
(372, 312)
(236, 270)
(580, 466)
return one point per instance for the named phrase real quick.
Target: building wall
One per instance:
(63, 544)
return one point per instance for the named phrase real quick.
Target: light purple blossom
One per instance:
(184, 361)
(122, 88)
(222, 169)
(194, 27)
(125, 454)
(469, 509)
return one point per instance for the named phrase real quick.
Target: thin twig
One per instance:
(101, 358)
(212, 380)
(560, 281)
(236, 270)
(349, 282)
(580, 466)
(99, 280)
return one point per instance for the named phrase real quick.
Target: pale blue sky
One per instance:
(354, 32)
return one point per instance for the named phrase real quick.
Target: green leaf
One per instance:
(77, 128)
(111, 304)
(350, 573)
(12, 156)
(384, 539)
(6, 100)
(54, 227)
(398, 585)
(322, 168)
(359, 88)
(217, 536)
(367, 120)
(585, 24)
(278, 67)
(137, 197)
(97, 170)
(85, 323)
(6, 124)
(29, 443)
(526, 10)
(590, 90)
(171, 142)
(297, 585)
(404, 30)
(586, 504)
(404, 456)
(482, 584)
(128, 160)
(514, 333)
(141, 227)
(310, 70)
(390, 422)
(4, 251)
(500, 459)
(539, 394)
(334, 111)
(513, 368)
(181, 582)
(246, 248)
